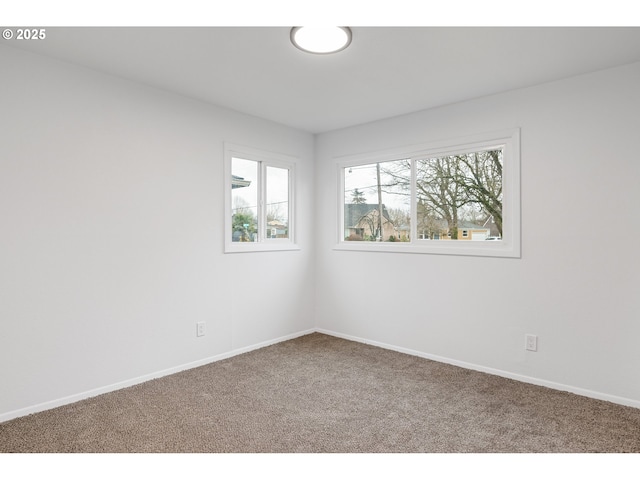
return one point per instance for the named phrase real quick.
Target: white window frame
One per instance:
(264, 159)
(509, 246)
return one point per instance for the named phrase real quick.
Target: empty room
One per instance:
(222, 239)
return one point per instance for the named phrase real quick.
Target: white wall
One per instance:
(111, 239)
(576, 285)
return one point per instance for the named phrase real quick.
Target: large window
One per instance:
(459, 197)
(258, 202)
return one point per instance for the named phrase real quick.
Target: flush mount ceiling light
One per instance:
(321, 40)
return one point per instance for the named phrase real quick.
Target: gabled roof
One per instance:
(471, 226)
(354, 212)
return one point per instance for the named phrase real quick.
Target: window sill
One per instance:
(437, 247)
(248, 247)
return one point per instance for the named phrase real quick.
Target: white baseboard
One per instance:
(144, 378)
(501, 373)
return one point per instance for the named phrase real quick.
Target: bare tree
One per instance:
(453, 187)
(274, 212)
(439, 191)
(480, 175)
(449, 189)
(399, 218)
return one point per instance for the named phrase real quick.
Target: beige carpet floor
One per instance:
(319, 393)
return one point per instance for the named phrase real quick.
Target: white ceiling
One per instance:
(387, 71)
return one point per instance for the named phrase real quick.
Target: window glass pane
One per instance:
(244, 200)
(375, 192)
(459, 197)
(277, 203)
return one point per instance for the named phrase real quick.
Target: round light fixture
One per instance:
(321, 40)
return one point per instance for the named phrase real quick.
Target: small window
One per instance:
(258, 200)
(449, 198)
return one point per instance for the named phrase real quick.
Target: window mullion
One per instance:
(290, 204)
(413, 222)
(262, 198)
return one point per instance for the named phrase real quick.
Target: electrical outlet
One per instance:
(200, 329)
(531, 342)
